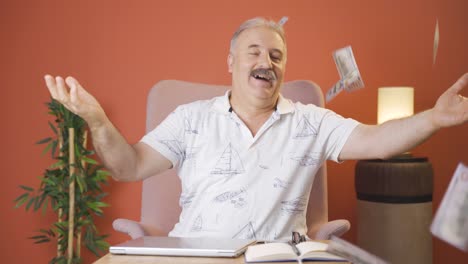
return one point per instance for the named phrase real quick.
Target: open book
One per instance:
(306, 251)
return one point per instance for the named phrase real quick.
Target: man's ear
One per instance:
(230, 61)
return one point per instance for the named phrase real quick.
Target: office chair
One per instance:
(160, 208)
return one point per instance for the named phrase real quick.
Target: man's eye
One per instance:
(276, 58)
(254, 53)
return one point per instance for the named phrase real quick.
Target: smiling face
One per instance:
(257, 62)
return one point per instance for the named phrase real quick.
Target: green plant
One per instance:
(71, 186)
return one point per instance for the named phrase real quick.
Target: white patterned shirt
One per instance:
(240, 186)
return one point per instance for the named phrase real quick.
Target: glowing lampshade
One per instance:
(394, 102)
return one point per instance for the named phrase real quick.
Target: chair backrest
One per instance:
(160, 196)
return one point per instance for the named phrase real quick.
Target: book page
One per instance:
(270, 251)
(311, 246)
(313, 250)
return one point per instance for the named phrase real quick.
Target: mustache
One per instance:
(268, 73)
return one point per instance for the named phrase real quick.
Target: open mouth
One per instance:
(263, 75)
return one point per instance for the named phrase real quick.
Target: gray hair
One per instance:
(259, 22)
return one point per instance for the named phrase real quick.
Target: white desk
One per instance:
(126, 259)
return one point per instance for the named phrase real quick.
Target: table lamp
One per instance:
(394, 196)
(394, 102)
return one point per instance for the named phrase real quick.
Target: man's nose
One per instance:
(265, 61)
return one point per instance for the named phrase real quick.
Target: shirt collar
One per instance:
(284, 106)
(222, 104)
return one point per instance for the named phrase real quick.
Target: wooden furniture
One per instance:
(128, 259)
(125, 259)
(394, 208)
(121, 259)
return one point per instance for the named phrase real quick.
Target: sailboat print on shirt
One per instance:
(278, 183)
(294, 206)
(229, 163)
(188, 127)
(236, 198)
(175, 147)
(305, 129)
(246, 232)
(305, 160)
(197, 225)
(186, 200)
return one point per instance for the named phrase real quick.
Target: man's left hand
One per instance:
(451, 108)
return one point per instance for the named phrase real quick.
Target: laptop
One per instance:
(183, 246)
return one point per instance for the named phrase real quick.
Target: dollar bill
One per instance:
(344, 60)
(451, 220)
(350, 77)
(353, 81)
(436, 43)
(352, 252)
(334, 91)
(348, 69)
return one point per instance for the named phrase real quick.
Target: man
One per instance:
(246, 170)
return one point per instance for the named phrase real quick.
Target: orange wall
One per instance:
(119, 49)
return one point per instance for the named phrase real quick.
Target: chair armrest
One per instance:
(129, 227)
(332, 228)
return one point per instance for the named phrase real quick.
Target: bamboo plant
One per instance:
(71, 186)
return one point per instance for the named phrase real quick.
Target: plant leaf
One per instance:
(54, 148)
(44, 140)
(89, 160)
(101, 204)
(102, 244)
(81, 183)
(39, 201)
(44, 240)
(53, 128)
(47, 147)
(30, 202)
(44, 207)
(38, 237)
(21, 200)
(58, 164)
(27, 188)
(21, 197)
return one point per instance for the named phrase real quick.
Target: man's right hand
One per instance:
(125, 162)
(76, 99)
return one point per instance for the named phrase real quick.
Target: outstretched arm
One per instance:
(397, 136)
(124, 161)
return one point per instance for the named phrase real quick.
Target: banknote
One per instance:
(350, 77)
(348, 69)
(451, 219)
(353, 81)
(352, 252)
(344, 60)
(436, 43)
(334, 91)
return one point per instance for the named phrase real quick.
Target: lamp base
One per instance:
(394, 208)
